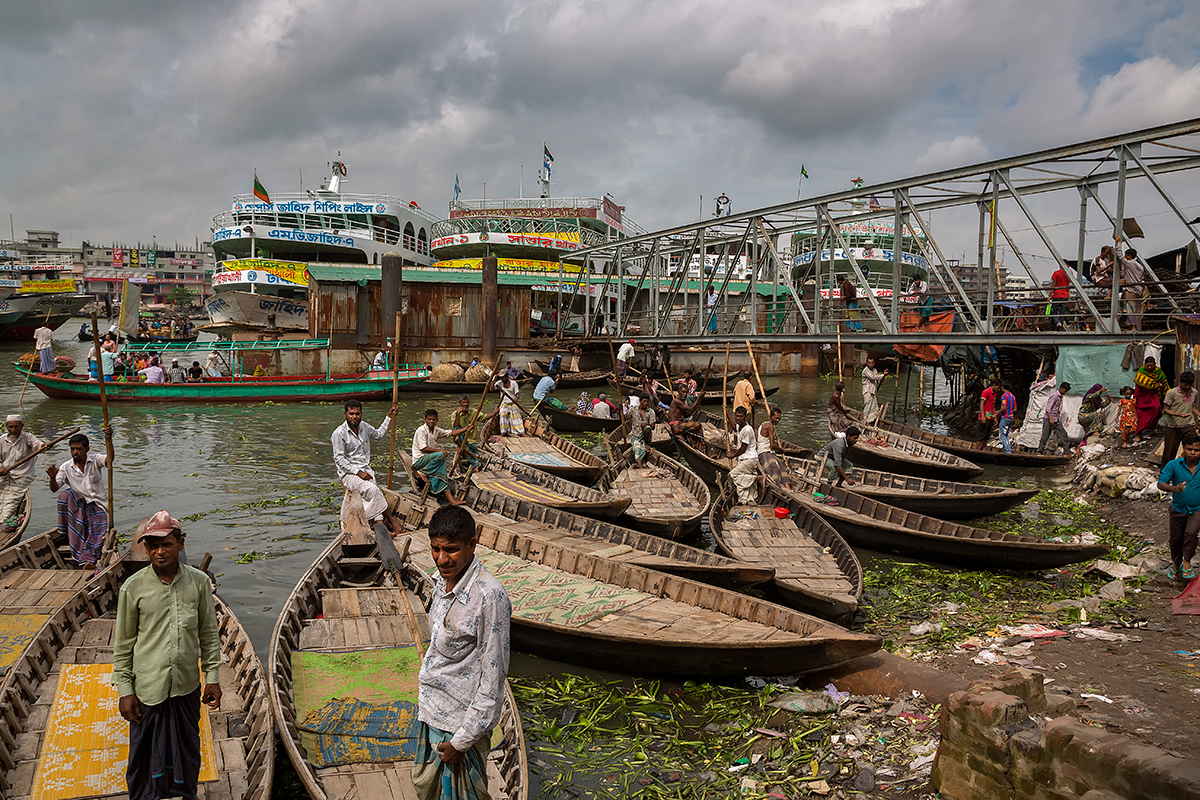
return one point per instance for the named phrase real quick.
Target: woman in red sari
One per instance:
(1151, 385)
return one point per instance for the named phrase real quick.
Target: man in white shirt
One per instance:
(429, 459)
(1132, 290)
(352, 457)
(710, 304)
(871, 378)
(16, 445)
(82, 515)
(154, 373)
(43, 339)
(460, 689)
(624, 357)
(745, 472)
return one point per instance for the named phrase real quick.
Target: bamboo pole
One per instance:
(46, 321)
(725, 402)
(395, 397)
(839, 352)
(479, 408)
(111, 535)
(42, 449)
(616, 378)
(761, 391)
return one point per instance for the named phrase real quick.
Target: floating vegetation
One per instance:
(250, 557)
(639, 738)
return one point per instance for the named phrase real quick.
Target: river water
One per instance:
(255, 484)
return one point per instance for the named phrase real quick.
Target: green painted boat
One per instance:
(374, 385)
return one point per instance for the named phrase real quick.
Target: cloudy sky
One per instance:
(127, 119)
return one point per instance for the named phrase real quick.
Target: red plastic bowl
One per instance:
(781, 513)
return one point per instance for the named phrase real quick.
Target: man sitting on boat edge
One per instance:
(430, 460)
(352, 457)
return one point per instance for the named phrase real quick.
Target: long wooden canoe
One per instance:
(877, 526)
(668, 499)
(714, 430)
(78, 640)
(23, 513)
(944, 499)
(707, 458)
(570, 422)
(710, 398)
(978, 452)
(815, 570)
(574, 380)
(522, 481)
(894, 452)
(346, 602)
(601, 539)
(591, 610)
(547, 451)
(448, 387)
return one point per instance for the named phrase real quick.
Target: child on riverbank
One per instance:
(1128, 422)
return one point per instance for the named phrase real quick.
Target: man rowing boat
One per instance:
(429, 459)
(352, 457)
(680, 412)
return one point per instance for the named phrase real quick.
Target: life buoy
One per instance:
(342, 169)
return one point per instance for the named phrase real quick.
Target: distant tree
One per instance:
(180, 295)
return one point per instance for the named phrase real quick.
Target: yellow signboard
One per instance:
(510, 265)
(291, 271)
(61, 285)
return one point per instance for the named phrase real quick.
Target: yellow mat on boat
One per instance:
(16, 632)
(86, 747)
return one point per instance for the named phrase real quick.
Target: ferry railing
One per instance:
(515, 225)
(342, 197)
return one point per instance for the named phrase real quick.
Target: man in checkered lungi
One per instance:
(82, 516)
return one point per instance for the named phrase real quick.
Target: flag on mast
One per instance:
(259, 191)
(803, 171)
(547, 160)
(457, 191)
(131, 303)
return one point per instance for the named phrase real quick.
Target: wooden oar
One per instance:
(110, 537)
(46, 321)
(394, 563)
(725, 403)
(43, 448)
(762, 392)
(395, 397)
(616, 383)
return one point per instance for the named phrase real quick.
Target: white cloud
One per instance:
(959, 151)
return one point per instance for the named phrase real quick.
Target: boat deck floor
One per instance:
(655, 493)
(661, 434)
(506, 483)
(39, 591)
(623, 553)
(92, 644)
(534, 451)
(756, 535)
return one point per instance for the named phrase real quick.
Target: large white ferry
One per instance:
(263, 248)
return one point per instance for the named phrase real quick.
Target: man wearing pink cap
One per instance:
(166, 624)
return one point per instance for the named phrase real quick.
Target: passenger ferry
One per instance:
(263, 248)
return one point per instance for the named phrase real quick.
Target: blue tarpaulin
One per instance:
(1083, 365)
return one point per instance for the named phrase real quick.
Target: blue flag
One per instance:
(547, 159)
(457, 191)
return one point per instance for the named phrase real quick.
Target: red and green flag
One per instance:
(260, 191)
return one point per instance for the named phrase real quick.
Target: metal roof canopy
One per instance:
(1082, 168)
(225, 347)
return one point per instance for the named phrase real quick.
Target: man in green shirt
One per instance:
(166, 623)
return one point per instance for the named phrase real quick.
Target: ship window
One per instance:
(374, 260)
(410, 241)
(422, 242)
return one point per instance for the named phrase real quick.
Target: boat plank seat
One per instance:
(793, 554)
(361, 619)
(507, 483)
(500, 525)
(532, 450)
(229, 726)
(654, 492)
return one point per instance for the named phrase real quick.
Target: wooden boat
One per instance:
(668, 498)
(375, 385)
(574, 380)
(24, 511)
(602, 539)
(711, 397)
(547, 451)
(893, 452)
(815, 570)
(347, 602)
(78, 638)
(637, 620)
(191, 337)
(450, 387)
(944, 499)
(569, 421)
(877, 526)
(714, 431)
(978, 452)
(524, 482)
(706, 457)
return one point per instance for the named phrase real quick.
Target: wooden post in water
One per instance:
(395, 396)
(110, 537)
(724, 403)
(491, 300)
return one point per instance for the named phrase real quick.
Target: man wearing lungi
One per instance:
(745, 472)
(429, 459)
(352, 457)
(14, 482)
(166, 624)
(43, 339)
(82, 516)
(461, 685)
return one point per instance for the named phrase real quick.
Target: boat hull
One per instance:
(245, 308)
(222, 390)
(577, 423)
(50, 310)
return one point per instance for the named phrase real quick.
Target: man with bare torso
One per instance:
(679, 413)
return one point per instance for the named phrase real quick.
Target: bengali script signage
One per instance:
(118, 258)
(312, 207)
(285, 234)
(151, 258)
(509, 265)
(836, 294)
(17, 266)
(250, 276)
(291, 271)
(186, 262)
(564, 212)
(555, 241)
(862, 254)
(133, 258)
(61, 285)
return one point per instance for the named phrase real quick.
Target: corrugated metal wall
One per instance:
(1187, 338)
(436, 315)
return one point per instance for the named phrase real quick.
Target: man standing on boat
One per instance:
(838, 451)
(166, 626)
(352, 457)
(460, 689)
(43, 342)
(82, 516)
(871, 379)
(429, 459)
(14, 482)
(744, 397)
(745, 472)
(624, 359)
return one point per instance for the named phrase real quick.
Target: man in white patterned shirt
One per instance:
(352, 457)
(461, 685)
